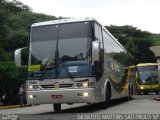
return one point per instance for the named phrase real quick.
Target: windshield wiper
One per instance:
(48, 64)
(51, 63)
(88, 51)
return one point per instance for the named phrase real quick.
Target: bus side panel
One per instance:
(115, 73)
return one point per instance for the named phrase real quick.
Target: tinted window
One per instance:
(108, 43)
(148, 74)
(74, 39)
(75, 30)
(44, 33)
(115, 50)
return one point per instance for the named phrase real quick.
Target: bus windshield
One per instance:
(62, 42)
(148, 74)
(74, 41)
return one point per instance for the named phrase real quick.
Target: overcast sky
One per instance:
(143, 14)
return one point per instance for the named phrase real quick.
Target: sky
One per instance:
(143, 14)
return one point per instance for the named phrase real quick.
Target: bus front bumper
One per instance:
(148, 88)
(86, 95)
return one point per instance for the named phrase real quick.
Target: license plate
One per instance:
(57, 96)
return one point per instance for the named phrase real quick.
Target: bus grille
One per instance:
(60, 86)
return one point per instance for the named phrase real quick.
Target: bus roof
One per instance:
(59, 21)
(133, 66)
(145, 64)
(130, 67)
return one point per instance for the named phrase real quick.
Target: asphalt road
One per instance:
(141, 104)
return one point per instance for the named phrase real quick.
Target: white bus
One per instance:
(75, 61)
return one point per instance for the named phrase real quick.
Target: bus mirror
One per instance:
(95, 51)
(20, 57)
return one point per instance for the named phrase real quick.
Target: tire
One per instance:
(57, 107)
(104, 105)
(157, 92)
(138, 91)
(130, 92)
(146, 93)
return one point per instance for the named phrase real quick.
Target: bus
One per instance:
(75, 61)
(147, 78)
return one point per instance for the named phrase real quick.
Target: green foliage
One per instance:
(15, 6)
(9, 82)
(4, 56)
(156, 39)
(3, 18)
(20, 37)
(24, 20)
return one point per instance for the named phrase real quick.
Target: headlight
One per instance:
(142, 88)
(85, 94)
(32, 96)
(32, 87)
(83, 84)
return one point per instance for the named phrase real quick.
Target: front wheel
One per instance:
(146, 93)
(57, 107)
(105, 104)
(139, 92)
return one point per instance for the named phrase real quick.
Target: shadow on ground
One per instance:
(88, 108)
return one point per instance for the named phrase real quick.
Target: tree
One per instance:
(3, 19)
(9, 82)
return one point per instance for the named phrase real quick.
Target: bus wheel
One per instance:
(139, 93)
(146, 93)
(130, 94)
(57, 107)
(157, 92)
(104, 105)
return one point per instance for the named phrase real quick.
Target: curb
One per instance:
(9, 107)
(157, 98)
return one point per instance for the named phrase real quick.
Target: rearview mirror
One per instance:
(20, 57)
(95, 51)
